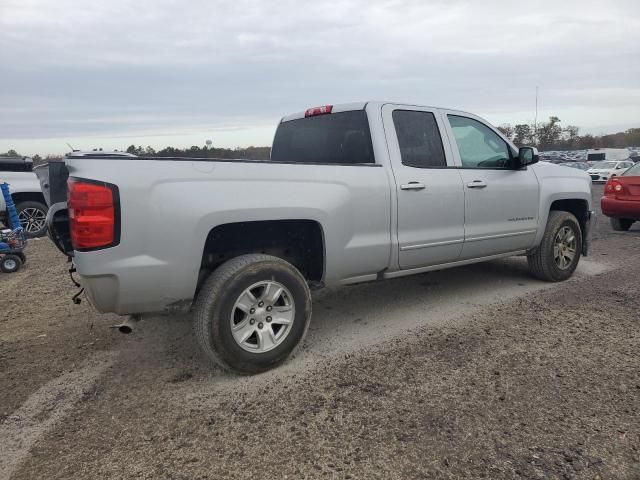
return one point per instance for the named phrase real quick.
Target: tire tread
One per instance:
(540, 262)
(214, 287)
(620, 224)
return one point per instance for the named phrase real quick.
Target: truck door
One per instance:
(501, 204)
(430, 196)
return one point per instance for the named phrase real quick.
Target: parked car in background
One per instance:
(621, 200)
(612, 154)
(602, 171)
(584, 166)
(553, 156)
(26, 194)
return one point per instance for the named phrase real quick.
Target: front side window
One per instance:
(419, 139)
(479, 146)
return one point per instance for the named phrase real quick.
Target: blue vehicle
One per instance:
(13, 239)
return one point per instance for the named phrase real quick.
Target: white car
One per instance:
(26, 193)
(602, 171)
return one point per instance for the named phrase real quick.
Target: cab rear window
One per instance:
(335, 138)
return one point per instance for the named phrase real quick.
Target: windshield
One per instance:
(633, 171)
(340, 138)
(605, 165)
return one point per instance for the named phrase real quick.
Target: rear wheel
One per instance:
(621, 224)
(558, 254)
(252, 313)
(10, 263)
(32, 216)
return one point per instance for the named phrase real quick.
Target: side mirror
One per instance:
(527, 156)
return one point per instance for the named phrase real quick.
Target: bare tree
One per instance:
(507, 130)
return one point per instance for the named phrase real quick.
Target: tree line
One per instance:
(552, 136)
(251, 153)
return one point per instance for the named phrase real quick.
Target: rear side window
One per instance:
(340, 138)
(419, 139)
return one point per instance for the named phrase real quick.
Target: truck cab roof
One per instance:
(346, 107)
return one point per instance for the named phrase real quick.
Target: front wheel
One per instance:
(557, 256)
(252, 313)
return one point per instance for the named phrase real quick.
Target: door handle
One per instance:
(412, 186)
(477, 184)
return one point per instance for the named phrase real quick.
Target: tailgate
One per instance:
(53, 181)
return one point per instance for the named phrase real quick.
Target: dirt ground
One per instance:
(476, 372)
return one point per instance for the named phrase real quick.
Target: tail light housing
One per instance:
(613, 188)
(94, 214)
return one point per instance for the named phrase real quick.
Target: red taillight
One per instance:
(613, 187)
(93, 213)
(312, 112)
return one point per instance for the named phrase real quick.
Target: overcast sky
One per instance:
(109, 73)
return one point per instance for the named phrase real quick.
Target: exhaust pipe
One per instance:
(127, 326)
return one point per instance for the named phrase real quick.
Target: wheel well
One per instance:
(28, 197)
(300, 242)
(579, 208)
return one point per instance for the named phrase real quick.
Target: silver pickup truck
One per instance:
(352, 193)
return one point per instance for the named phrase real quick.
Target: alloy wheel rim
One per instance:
(564, 247)
(32, 219)
(262, 316)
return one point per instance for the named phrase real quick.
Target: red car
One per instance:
(621, 201)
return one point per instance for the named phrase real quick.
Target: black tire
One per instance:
(214, 307)
(542, 263)
(10, 263)
(620, 224)
(40, 210)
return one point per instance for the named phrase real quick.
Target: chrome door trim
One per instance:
(433, 244)
(501, 235)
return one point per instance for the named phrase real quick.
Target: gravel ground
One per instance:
(541, 384)
(42, 334)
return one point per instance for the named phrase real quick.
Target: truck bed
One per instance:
(169, 206)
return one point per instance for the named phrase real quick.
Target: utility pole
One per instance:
(535, 121)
